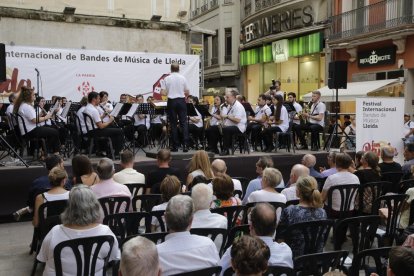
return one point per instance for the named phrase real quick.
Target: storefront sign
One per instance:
(379, 123)
(377, 57)
(280, 50)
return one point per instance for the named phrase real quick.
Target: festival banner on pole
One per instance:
(73, 73)
(380, 122)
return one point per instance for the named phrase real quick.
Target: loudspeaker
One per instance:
(337, 74)
(2, 62)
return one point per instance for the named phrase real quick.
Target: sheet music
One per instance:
(54, 107)
(116, 109)
(4, 99)
(132, 110)
(65, 110)
(159, 104)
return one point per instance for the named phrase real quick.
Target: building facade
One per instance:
(283, 40)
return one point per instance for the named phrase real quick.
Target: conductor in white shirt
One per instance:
(176, 88)
(182, 252)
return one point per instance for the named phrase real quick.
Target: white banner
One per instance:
(72, 73)
(380, 122)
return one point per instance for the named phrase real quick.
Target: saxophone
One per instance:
(305, 109)
(220, 122)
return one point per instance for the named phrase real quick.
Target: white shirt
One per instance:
(129, 175)
(175, 84)
(60, 233)
(142, 121)
(28, 113)
(214, 110)
(265, 196)
(206, 219)
(280, 255)
(101, 110)
(154, 220)
(156, 119)
(298, 109)
(407, 127)
(260, 111)
(316, 109)
(54, 197)
(236, 110)
(340, 178)
(183, 252)
(82, 119)
(284, 117)
(9, 109)
(290, 193)
(94, 113)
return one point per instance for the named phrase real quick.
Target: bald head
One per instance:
(297, 171)
(309, 160)
(219, 167)
(387, 153)
(263, 220)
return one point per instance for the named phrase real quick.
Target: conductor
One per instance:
(175, 87)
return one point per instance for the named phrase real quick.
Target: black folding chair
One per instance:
(159, 215)
(360, 261)
(244, 183)
(394, 178)
(113, 204)
(147, 202)
(347, 195)
(86, 258)
(232, 213)
(318, 264)
(292, 202)
(235, 233)
(369, 192)
(212, 233)
(127, 224)
(405, 185)
(136, 188)
(279, 206)
(215, 270)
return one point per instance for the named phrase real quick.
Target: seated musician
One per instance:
(157, 123)
(141, 124)
(257, 120)
(104, 107)
(9, 112)
(278, 122)
(100, 128)
(123, 98)
(24, 107)
(57, 121)
(195, 123)
(215, 121)
(234, 120)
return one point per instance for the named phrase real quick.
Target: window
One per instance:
(227, 45)
(205, 49)
(214, 49)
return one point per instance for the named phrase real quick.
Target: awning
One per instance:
(354, 90)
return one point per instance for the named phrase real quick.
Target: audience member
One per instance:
(406, 212)
(271, 178)
(409, 158)
(308, 209)
(309, 160)
(106, 185)
(197, 180)
(263, 225)
(57, 177)
(199, 165)
(249, 256)
(400, 262)
(82, 171)
(220, 168)
(297, 171)
(223, 190)
(181, 251)
(388, 164)
(331, 163)
(139, 258)
(156, 176)
(342, 177)
(128, 173)
(256, 184)
(79, 220)
(357, 161)
(170, 187)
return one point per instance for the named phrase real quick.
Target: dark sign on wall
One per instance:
(377, 57)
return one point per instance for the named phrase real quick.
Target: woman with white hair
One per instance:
(270, 179)
(80, 220)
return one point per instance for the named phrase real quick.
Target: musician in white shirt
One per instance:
(257, 120)
(212, 132)
(234, 120)
(156, 123)
(195, 123)
(104, 107)
(278, 122)
(141, 123)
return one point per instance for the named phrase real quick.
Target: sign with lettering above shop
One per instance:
(280, 50)
(377, 57)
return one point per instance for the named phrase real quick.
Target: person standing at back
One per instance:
(175, 87)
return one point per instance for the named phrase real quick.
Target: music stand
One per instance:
(248, 108)
(203, 110)
(161, 109)
(145, 109)
(9, 151)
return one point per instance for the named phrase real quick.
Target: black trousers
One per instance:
(142, 132)
(228, 133)
(314, 130)
(256, 131)
(178, 107)
(196, 132)
(115, 134)
(268, 136)
(156, 131)
(50, 134)
(213, 136)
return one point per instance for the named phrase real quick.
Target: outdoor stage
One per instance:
(16, 181)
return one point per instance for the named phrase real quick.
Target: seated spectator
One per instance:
(199, 165)
(181, 251)
(82, 171)
(370, 172)
(400, 262)
(128, 173)
(308, 209)
(405, 212)
(106, 185)
(249, 256)
(342, 177)
(263, 225)
(202, 196)
(170, 187)
(139, 258)
(219, 168)
(297, 171)
(357, 161)
(409, 158)
(197, 180)
(256, 184)
(223, 190)
(271, 178)
(309, 160)
(79, 220)
(331, 164)
(156, 176)
(388, 164)
(57, 177)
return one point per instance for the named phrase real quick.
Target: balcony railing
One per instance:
(214, 60)
(376, 17)
(263, 4)
(195, 12)
(213, 3)
(204, 8)
(247, 9)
